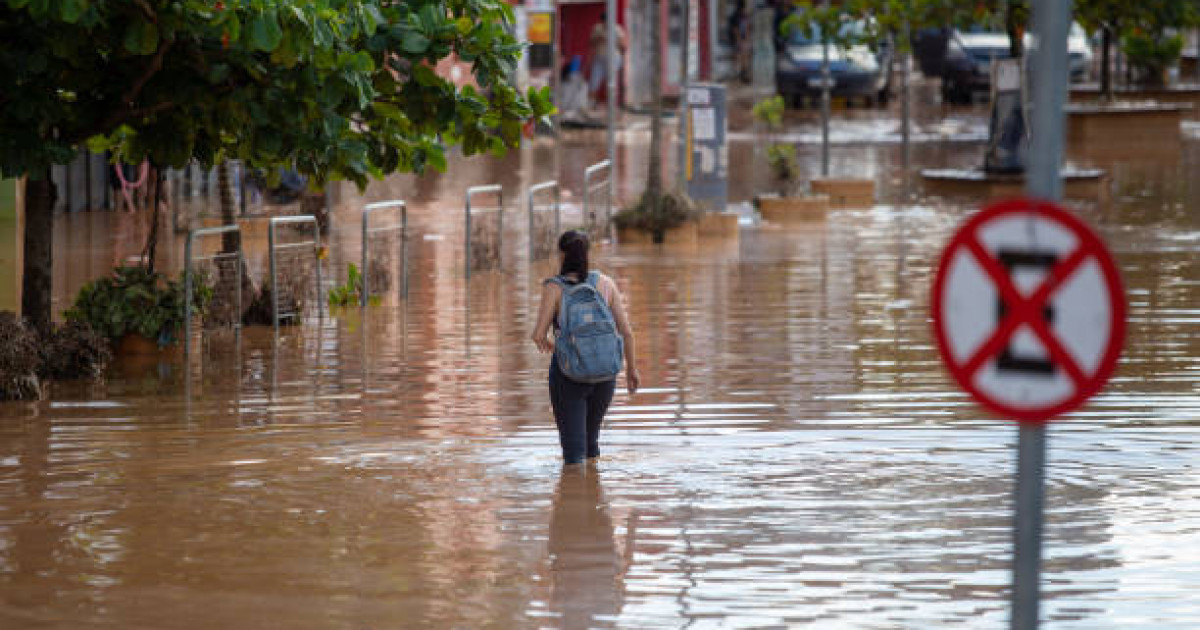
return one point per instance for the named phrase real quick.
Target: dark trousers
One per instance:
(578, 411)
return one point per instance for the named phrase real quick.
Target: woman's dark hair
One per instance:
(574, 246)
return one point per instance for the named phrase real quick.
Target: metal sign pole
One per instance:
(1051, 22)
(610, 8)
(680, 178)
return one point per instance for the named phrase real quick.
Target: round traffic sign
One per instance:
(1028, 310)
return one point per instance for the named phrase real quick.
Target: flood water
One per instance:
(797, 457)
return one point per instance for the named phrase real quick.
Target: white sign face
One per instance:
(1008, 75)
(704, 123)
(1028, 311)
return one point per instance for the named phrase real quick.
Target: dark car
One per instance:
(967, 66)
(856, 71)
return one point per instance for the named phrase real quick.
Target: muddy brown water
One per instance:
(797, 457)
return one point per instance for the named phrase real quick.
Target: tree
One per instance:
(334, 89)
(1145, 20)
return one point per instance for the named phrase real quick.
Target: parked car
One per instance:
(966, 62)
(1079, 52)
(967, 67)
(857, 71)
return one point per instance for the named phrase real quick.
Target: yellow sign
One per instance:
(539, 31)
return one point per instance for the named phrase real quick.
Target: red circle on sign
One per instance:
(1020, 310)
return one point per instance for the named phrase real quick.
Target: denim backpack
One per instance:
(588, 348)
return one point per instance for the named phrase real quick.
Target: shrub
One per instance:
(781, 156)
(137, 300)
(19, 358)
(672, 210)
(75, 350)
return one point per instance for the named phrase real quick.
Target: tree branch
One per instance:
(150, 14)
(155, 65)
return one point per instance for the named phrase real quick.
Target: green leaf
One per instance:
(265, 33)
(141, 38)
(71, 10)
(414, 43)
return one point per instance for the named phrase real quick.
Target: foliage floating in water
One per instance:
(350, 293)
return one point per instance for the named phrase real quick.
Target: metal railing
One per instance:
(551, 185)
(189, 276)
(273, 248)
(367, 231)
(498, 190)
(591, 186)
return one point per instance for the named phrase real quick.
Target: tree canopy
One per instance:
(336, 89)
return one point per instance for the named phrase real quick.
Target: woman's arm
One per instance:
(551, 293)
(632, 378)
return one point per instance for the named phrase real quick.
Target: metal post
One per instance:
(826, 79)
(1051, 22)
(274, 277)
(500, 230)
(610, 7)
(467, 243)
(404, 251)
(683, 81)
(188, 281)
(533, 191)
(498, 190)
(187, 296)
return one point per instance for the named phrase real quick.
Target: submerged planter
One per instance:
(1091, 184)
(1182, 94)
(792, 209)
(137, 346)
(686, 234)
(718, 225)
(1124, 125)
(846, 192)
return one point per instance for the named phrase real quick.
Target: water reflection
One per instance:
(586, 570)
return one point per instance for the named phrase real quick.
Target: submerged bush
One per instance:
(19, 359)
(75, 350)
(672, 210)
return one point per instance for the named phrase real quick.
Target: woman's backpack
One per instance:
(588, 348)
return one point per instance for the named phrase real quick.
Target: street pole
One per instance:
(611, 12)
(1051, 22)
(683, 80)
(826, 78)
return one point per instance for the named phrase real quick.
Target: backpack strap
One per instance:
(593, 278)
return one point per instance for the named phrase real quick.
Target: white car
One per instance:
(1079, 52)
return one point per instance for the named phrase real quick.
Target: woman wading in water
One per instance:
(588, 345)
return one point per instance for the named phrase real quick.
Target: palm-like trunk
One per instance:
(40, 196)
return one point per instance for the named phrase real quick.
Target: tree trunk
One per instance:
(149, 252)
(230, 241)
(1015, 29)
(654, 183)
(1105, 71)
(40, 197)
